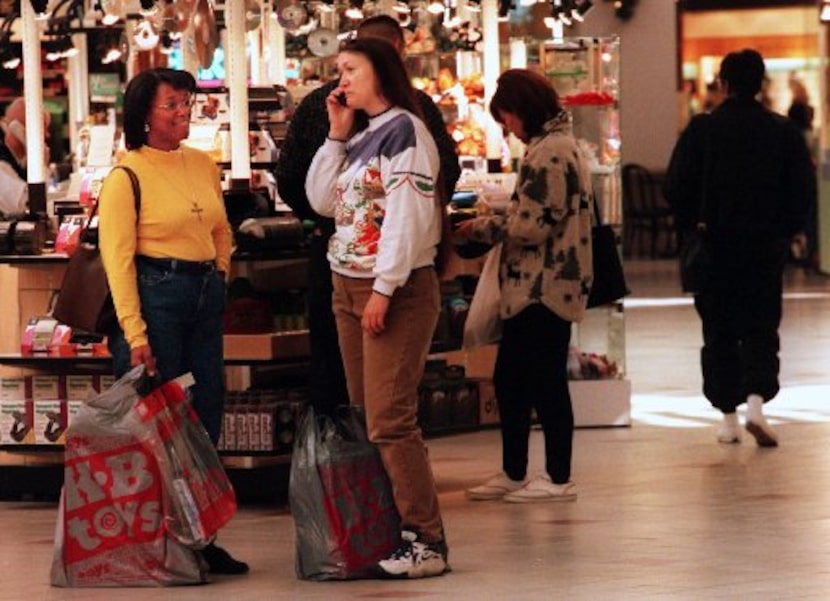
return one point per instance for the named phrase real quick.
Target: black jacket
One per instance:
(756, 168)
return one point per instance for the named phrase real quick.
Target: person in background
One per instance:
(14, 190)
(754, 171)
(546, 275)
(376, 176)
(800, 111)
(804, 247)
(166, 266)
(306, 133)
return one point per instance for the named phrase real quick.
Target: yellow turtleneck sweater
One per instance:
(182, 217)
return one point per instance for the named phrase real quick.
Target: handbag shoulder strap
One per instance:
(136, 194)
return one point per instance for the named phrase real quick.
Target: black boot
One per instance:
(220, 561)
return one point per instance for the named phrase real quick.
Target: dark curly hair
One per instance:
(138, 100)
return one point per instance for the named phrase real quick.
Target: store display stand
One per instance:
(585, 73)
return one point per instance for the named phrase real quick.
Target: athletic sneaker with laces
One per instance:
(415, 559)
(495, 488)
(540, 490)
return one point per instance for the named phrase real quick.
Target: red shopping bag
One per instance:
(111, 527)
(341, 499)
(200, 498)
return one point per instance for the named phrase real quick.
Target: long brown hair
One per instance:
(390, 73)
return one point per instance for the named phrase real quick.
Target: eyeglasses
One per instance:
(175, 106)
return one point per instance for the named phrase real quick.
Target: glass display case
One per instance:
(585, 72)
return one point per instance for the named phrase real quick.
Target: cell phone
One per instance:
(341, 98)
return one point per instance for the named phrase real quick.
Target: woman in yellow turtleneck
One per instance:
(166, 264)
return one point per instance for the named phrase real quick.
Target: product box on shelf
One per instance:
(488, 405)
(38, 335)
(72, 408)
(13, 388)
(16, 422)
(45, 387)
(260, 420)
(80, 387)
(50, 421)
(105, 382)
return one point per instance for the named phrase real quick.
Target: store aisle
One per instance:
(664, 511)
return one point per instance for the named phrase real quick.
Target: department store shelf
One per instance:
(52, 258)
(58, 364)
(43, 455)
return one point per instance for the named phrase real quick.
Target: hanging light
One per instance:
(435, 8)
(354, 11)
(112, 11)
(57, 48)
(9, 59)
(111, 55)
(402, 8)
(113, 48)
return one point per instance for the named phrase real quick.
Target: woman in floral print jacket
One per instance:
(545, 276)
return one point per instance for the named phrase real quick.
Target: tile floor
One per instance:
(664, 511)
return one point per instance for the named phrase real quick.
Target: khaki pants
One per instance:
(383, 374)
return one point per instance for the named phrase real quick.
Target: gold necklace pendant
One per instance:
(196, 209)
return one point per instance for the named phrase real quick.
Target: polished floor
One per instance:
(664, 512)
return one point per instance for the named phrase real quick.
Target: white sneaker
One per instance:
(415, 559)
(540, 490)
(495, 488)
(729, 434)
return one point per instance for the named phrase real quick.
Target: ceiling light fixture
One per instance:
(112, 11)
(354, 11)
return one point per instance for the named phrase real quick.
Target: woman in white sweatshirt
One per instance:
(376, 175)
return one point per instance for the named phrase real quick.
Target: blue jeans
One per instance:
(183, 313)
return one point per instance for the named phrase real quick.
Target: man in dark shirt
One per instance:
(750, 170)
(306, 133)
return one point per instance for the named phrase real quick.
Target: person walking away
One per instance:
(751, 169)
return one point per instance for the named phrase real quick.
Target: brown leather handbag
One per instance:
(84, 301)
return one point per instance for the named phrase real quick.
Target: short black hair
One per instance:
(743, 72)
(138, 100)
(382, 26)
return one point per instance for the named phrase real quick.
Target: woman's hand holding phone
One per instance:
(341, 117)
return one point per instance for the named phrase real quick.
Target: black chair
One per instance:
(647, 217)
